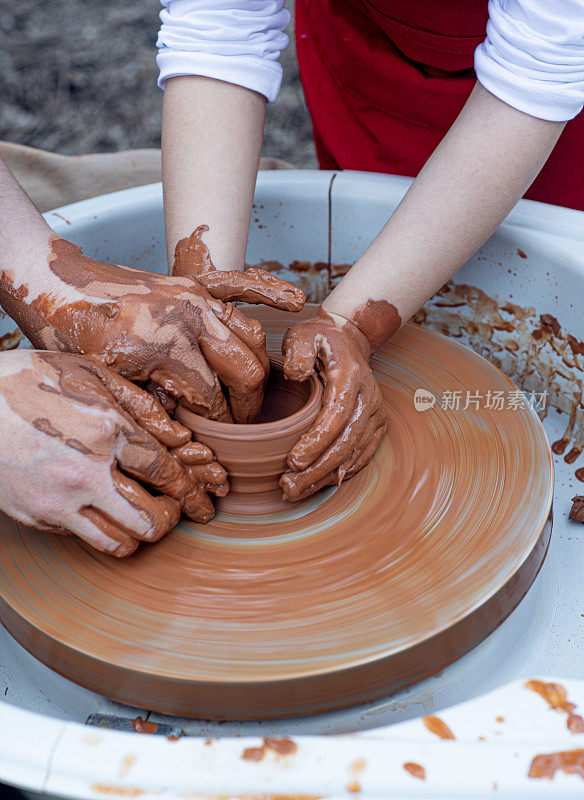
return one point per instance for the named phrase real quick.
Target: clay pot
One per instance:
(255, 455)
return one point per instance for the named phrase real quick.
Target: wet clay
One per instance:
(346, 597)
(570, 762)
(415, 770)
(255, 456)
(352, 422)
(141, 726)
(438, 727)
(556, 697)
(577, 510)
(377, 320)
(559, 447)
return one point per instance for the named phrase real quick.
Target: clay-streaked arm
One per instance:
(211, 143)
(484, 164)
(169, 330)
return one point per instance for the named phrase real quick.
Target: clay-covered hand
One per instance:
(193, 259)
(79, 443)
(146, 326)
(352, 420)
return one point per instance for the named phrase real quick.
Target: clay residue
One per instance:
(311, 277)
(438, 727)
(570, 762)
(556, 697)
(111, 790)
(10, 341)
(577, 510)
(533, 350)
(281, 747)
(141, 726)
(415, 770)
(356, 769)
(127, 764)
(377, 320)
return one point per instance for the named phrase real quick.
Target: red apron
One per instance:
(385, 79)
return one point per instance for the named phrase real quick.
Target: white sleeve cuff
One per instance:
(533, 56)
(237, 41)
(253, 73)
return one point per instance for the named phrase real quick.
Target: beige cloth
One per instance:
(52, 180)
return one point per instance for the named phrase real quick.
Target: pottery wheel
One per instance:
(341, 599)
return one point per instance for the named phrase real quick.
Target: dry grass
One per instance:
(79, 76)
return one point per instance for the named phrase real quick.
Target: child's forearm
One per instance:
(484, 164)
(211, 143)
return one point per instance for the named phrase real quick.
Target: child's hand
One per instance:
(352, 421)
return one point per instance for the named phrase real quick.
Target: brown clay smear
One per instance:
(415, 770)
(533, 350)
(570, 762)
(577, 510)
(556, 697)
(141, 726)
(280, 747)
(438, 727)
(356, 769)
(377, 320)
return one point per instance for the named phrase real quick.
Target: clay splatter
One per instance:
(415, 770)
(557, 699)
(281, 747)
(570, 762)
(141, 726)
(438, 727)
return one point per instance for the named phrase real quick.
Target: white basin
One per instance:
(44, 744)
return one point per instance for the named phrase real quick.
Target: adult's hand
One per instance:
(146, 326)
(80, 444)
(352, 421)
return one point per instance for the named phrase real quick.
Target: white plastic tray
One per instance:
(44, 745)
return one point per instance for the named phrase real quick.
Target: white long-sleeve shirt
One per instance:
(532, 57)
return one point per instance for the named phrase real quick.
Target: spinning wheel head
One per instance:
(350, 595)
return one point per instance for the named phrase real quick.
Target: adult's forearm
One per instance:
(24, 234)
(211, 143)
(484, 164)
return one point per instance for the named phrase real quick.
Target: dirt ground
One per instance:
(79, 76)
